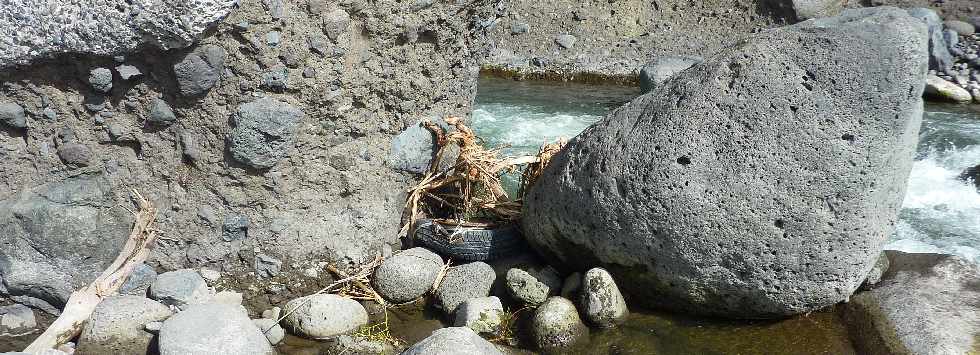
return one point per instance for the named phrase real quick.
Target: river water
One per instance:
(940, 213)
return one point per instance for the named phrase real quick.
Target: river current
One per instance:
(940, 213)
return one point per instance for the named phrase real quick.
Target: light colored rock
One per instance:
(808, 9)
(533, 285)
(658, 217)
(127, 72)
(407, 275)
(925, 304)
(556, 325)
(209, 275)
(877, 272)
(213, 329)
(324, 316)
(453, 341)
(16, 319)
(961, 28)
(463, 282)
(180, 288)
(941, 89)
(272, 330)
(117, 326)
(659, 70)
(602, 303)
(272, 313)
(566, 41)
(100, 79)
(35, 29)
(267, 266)
(482, 314)
(939, 56)
(228, 297)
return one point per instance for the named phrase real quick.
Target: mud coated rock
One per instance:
(407, 275)
(324, 316)
(117, 326)
(267, 266)
(215, 329)
(453, 341)
(463, 282)
(814, 173)
(264, 131)
(925, 304)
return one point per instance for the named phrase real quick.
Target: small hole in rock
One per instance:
(683, 160)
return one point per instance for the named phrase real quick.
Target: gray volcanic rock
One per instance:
(180, 288)
(264, 131)
(939, 56)
(139, 281)
(407, 275)
(756, 184)
(200, 70)
(925, 304)
(34, 29)
(482, 314)
(117, 326)
(453, 341)
(13, 115)
(463, 282)
(659, 70)
(324, 316)
(58, 237)
(214, 329)
(160, 112)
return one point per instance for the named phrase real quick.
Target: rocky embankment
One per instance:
(264, 144)
(263, 131)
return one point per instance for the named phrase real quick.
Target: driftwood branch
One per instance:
(82, 303)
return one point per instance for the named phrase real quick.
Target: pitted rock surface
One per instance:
(34, 29)
(760, 183)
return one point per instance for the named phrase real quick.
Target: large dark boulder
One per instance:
(58, 237)
(760, 183)
(925, 304)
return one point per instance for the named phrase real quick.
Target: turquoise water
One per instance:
(940, 213)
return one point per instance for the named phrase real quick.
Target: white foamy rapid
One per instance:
(940, 214)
